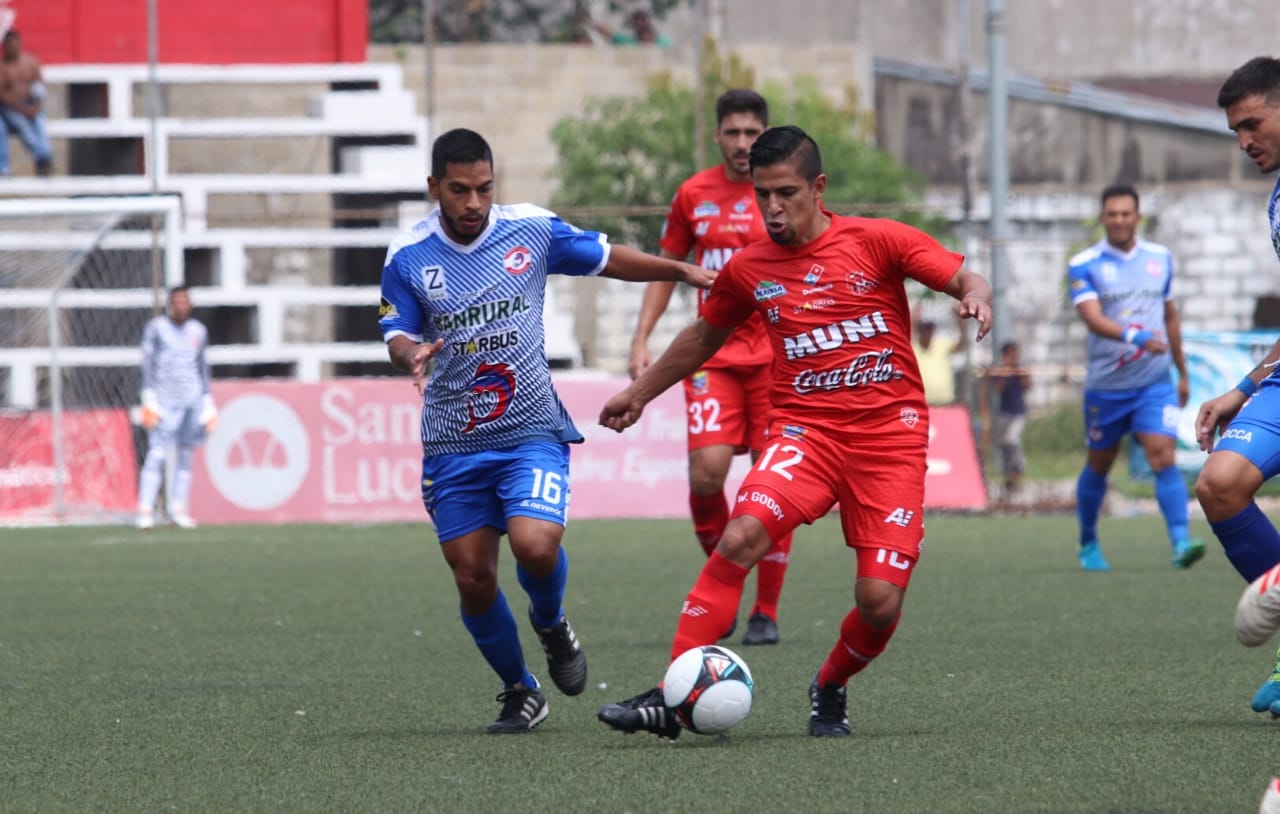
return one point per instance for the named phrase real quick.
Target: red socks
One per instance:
(859, 643)
(770, 572)
(711, 605)
(710, 516)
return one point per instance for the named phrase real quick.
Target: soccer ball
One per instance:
(709, 688)
(1258, 611)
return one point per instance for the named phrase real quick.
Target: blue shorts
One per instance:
(1255, 431)
(467, 491)
(1109, 415)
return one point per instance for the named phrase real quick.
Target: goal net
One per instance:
(79, 278)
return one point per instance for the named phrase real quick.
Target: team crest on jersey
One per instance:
(517, 260)
(742, 205)
(768, 290)
(700, 382)
(909, 416)
(1154, 268)
(491, 392)
(815, 273)
(773, 313)
(706, 209)
(860, 283)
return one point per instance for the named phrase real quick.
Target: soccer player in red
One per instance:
(849, 425)
(714, 214)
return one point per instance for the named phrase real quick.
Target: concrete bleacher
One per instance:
(241, 227)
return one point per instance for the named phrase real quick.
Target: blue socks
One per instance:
(1091, 488)
(545, 594)
(1171, 494)
(495, 634)
(1250, 542)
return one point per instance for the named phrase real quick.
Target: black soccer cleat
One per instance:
(647, 712)
(827, 717)
(760, 630)
(566, 663)
(522, 710)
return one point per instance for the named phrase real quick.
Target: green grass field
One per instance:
(324, 669)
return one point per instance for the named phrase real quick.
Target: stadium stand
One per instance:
(288, 203)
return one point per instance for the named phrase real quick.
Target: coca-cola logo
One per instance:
(872, 368)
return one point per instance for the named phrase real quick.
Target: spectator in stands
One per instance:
(934, 357)
(642, 31)
(1006, 385)
(22, 94)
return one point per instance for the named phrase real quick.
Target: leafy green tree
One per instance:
(397, 21)
(620, 162)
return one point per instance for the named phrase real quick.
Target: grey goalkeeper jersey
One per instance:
(173, 361)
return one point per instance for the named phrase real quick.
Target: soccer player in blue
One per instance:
(1121, 287)
(463, 291)
(177, 408)
(1248, 416)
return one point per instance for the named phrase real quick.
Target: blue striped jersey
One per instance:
(491, 385)
(1132, 287)
(173, 361)
(1273, 216)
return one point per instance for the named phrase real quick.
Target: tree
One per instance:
(625, 155)
(397, 21)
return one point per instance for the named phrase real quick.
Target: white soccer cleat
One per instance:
(183, 520)
(1271, 799)
(1258, 611)
(144, 520)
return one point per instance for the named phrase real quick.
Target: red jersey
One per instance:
(838, 320)
(717, 217)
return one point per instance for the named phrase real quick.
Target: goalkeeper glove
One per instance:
(208, 414)
(151, 412)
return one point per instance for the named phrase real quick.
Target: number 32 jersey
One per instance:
(491, 386)
(717, 217)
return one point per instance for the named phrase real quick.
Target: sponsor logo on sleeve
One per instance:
(387, 310)
(768, 290)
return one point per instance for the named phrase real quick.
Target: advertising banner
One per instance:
(100, 472)
(348, 450)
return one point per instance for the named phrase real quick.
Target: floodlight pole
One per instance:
(700, 88)
(153, 154)
(998, 120)
(428, 98)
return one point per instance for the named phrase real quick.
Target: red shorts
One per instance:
(803, 472)
(728, 406)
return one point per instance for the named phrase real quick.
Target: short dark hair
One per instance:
(788, 143)
(1260, 75)
(742, 100)
(458, 146)
(1008, 346)
(179, 289)
(1119, 191)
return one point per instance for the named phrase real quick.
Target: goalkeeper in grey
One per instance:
(177, 407)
